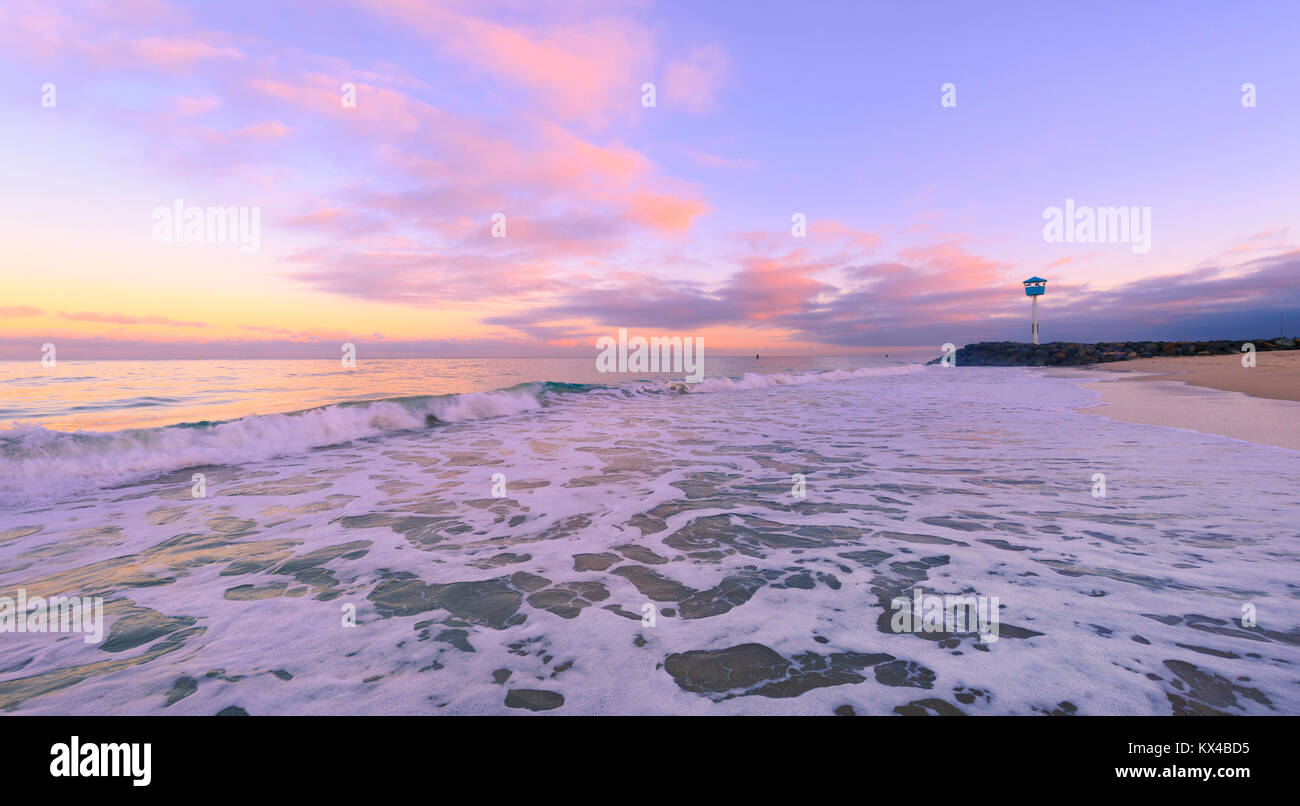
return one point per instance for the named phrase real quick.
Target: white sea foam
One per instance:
(978, 480)
(754, 380)
(41, 464)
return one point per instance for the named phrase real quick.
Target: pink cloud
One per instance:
(769, 287)
(173, 53)
(709, 160)
(123, 319)
(664, 212)
(190, 107)
(585, 70)
(267, 130)
(19, 311)
(1264, 241)
(35, 29)
(378, 110)
(954, 265)
(855, 239)
(693, 83)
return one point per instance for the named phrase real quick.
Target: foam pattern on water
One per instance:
(974, 481)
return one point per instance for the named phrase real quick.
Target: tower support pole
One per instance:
(1035, 319)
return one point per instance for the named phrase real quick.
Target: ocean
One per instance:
(504, 536)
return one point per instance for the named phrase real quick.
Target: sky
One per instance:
(811, 178)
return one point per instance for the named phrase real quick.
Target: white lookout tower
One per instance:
(1035, 287)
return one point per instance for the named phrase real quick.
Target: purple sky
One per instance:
(376, 220)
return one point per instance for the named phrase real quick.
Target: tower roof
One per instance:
(1035, 280)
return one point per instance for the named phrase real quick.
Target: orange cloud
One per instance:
(19, 311)
(663, 211)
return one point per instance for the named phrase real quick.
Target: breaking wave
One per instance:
(39, 464)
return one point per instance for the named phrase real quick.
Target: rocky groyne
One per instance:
(1070, 354)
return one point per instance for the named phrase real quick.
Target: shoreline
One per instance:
(1208, 394)
(1276, 375)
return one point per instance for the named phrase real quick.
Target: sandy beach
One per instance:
(1275, 374)
(1209, 394)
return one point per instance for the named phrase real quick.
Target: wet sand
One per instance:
(1275, 375)
(1209, 394)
